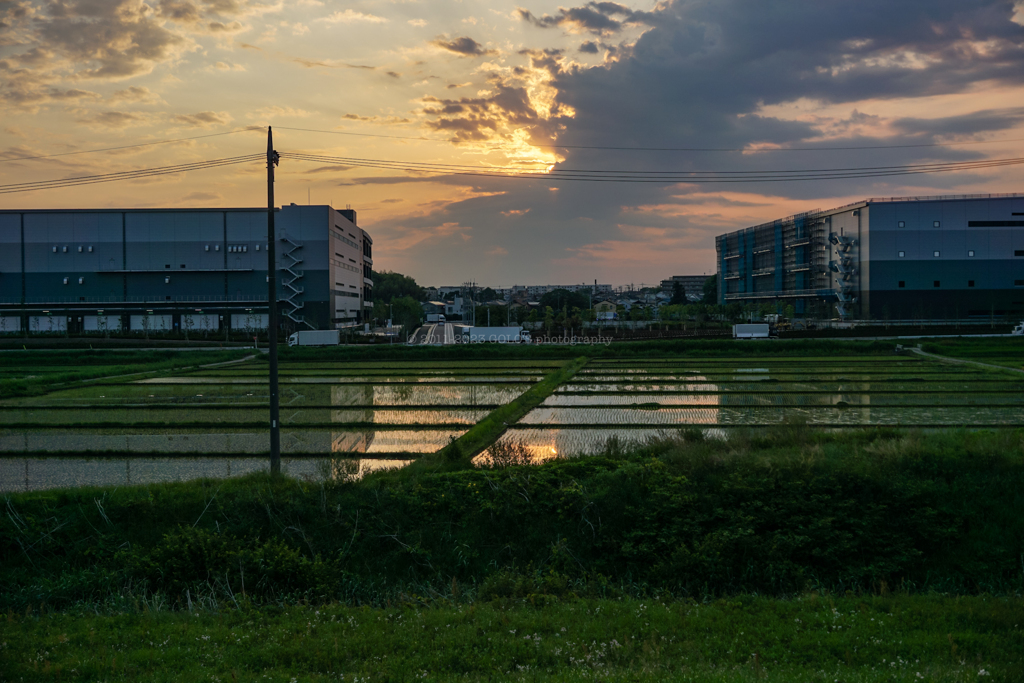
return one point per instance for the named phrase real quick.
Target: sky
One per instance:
(492, 85)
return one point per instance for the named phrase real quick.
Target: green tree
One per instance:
(388, 286)
(678, 294)
(711, 291)
(407, 312)
(561, 298)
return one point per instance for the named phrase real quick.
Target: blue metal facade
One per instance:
(173, 262)
(893, 258)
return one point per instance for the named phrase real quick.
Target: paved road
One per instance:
(434, 333)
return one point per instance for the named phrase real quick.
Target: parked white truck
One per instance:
(751, 331)
(500, 335)
(315, 338)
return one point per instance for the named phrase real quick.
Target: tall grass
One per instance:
(772, 512)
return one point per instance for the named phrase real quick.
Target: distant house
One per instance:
(605, 310)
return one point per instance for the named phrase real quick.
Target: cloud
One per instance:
(589, 47)
(135, 94)
(963, 125)
(376, 119)
(497, 251)
(199, 197)
(277, 111)
(327, 64)
(106, 40)
(350, 16)
(420, 23)
(598, 18)
(465, 46)
(115, 119)
(706, 75)
(203, 119)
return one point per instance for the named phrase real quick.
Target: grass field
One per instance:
(810, 638)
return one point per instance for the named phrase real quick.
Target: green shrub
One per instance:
(247, 567)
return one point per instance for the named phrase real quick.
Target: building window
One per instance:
(901, 224)
(81, 280)
(936, 224)
(65, 280)
(90, 249)
(245, 248)
(257, 247)
(79, 248)
(970, 283)
(167, 265)
(207, 248)
(167, 280)
(935, 283)
(216, 247)
(55, 250)
(970, 253)
(935, 254)
(1018, 252)
(901, 254)
(1018, 283)
(64, 249)
(182, 265)
(902, 284)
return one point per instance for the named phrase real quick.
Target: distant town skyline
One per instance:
(596, 86)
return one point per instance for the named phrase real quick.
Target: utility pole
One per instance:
(273, 158)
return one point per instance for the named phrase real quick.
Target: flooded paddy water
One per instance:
(212, 423)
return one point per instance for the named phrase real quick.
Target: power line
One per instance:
(678, 149)
(127, 175)
(142, 144)
(629, 176)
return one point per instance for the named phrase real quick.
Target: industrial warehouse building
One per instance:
(953, 257)
(80, 270)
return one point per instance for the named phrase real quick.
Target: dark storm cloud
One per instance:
(964, 125)
(465, 46)
(588, 47)
(701, 77)
(599, 18)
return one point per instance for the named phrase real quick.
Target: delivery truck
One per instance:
(315, 338)
(751, 331)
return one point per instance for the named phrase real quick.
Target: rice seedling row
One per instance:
(709, 389)
(453, 395)
(230, 417)
(723, 415)
(200, 381)
(40, 473)
(829, 402)
(8, 410)
(375, 439)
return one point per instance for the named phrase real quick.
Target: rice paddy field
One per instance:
(211, 420)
